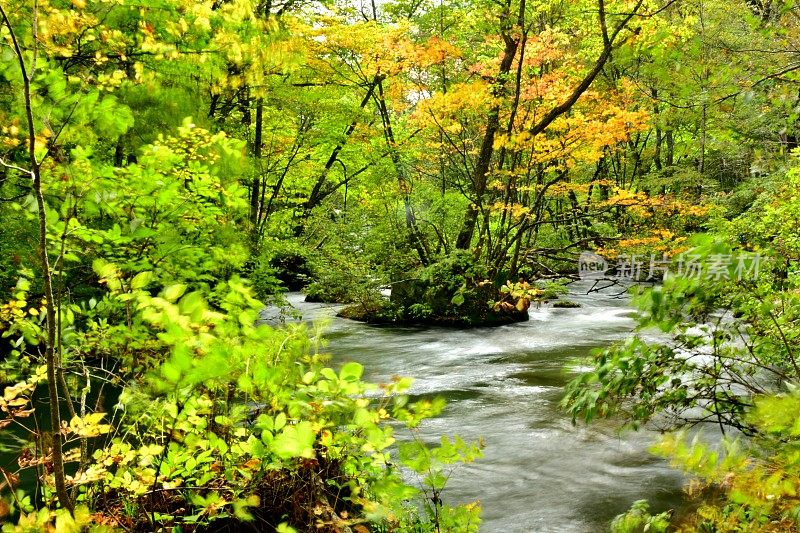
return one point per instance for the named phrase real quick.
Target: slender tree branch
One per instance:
(15, 167)
(608, 47)
(50, 356)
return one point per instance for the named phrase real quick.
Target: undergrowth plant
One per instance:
(242, 424)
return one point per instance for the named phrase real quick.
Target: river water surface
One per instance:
(539, 473)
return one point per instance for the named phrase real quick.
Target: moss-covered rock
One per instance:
(566, 304)
(453, 292)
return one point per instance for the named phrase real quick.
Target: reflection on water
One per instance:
(539, 473)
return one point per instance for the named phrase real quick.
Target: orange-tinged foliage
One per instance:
(463, 99)
(515, 210)
(545, 47)
(433, 52)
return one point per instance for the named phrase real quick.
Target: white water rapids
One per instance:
(539, 472)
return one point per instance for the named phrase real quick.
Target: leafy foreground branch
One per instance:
(744, 486)
(241, 427)
(718, 353)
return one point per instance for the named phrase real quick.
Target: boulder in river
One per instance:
(565, 304)
(419, 302)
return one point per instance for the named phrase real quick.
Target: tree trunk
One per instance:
(255, 189)
(57, 452)
(669, 138)
(417, 240)
(487, 145)
(659, 133)
(317, 193)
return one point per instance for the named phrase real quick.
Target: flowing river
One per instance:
(539, 473)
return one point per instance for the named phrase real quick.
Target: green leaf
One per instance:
(171, 372)
(295, 441)
(280, 421)
(173, 292)
(328, 373)
(351, 371)
(141, 280)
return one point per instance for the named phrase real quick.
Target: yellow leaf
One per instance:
(89, 426)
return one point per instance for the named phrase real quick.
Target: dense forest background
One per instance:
(169, 167)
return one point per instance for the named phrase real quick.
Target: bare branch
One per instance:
(15, 167)
(605, 55)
